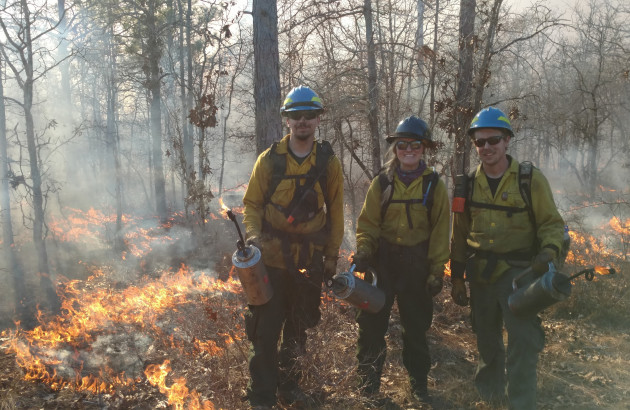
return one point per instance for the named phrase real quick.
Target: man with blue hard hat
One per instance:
(509, 223)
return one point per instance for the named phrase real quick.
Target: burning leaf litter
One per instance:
(101, 340)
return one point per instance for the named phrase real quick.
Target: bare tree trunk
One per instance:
(434, 63)
(189, 146)
(12, 263)
(267, 74)
(62, 55)
(43, 269)
(224, 130)
(419, 46)
(113, 142)
(463, 107)
(372, 88)
(188, 162)
(154, 53)
(484, 71)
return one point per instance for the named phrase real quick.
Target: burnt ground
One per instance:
(585, 364)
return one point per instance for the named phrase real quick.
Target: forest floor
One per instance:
(199, 340)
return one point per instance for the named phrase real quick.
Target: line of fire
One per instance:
(161, 326)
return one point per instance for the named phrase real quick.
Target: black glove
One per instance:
(459, 293)
(435, 283)
(361, 262)
(541, 261)
(330, 269)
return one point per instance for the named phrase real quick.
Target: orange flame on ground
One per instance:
(88, 310)
(177, 394)
(90, 227)
(619, 226)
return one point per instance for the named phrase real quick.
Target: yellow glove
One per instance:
(459, 293)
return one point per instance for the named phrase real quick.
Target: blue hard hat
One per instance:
(412, 127)
(301, 98)
(491, 118)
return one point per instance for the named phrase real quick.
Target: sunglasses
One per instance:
(481, 142)
(415, 145)
(297, 115)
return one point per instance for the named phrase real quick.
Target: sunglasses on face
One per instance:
(297, 115)
(481, 142)
(415, 145)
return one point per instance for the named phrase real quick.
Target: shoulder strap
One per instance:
(279, 167)
(428, 187)
(386, 194)
(428, 190)
(525, 170)
(278, 170)
(324, 153)
(470, 181)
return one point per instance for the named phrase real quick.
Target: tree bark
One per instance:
(372, 90)
(419, 56)
(43, 268)
(11, 260)
(267, 96)
(154, 54)
(463, 105)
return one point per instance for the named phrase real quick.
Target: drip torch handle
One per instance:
(232, 217)
(519, 277)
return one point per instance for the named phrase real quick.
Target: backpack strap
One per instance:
(387, 192)
(317, 173)
(278, 169)
(428, 189)
(324, 154)
(525, 170)
(510, 210)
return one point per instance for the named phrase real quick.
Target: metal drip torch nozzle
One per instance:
(589, 274)
(240, 244)
(340, 283)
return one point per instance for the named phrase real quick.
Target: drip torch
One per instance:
(550, 288)
(358, 292)
(250, 269)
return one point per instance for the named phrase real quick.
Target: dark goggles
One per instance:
(297, 115)
(415, 145)
(481, 142)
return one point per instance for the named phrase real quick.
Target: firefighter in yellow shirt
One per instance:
(402, 232)
(494, 238)
(294, 214)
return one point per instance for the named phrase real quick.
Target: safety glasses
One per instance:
(415, 145)
(297, 115)
(481, 142)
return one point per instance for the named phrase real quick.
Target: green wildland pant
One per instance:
(293, 308)
(526, 339)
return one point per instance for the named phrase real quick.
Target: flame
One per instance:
(603, 270)
(177, 394)
(603, 188)
(90, 310)
(619, 226)
(93, 228)
(224, 208)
